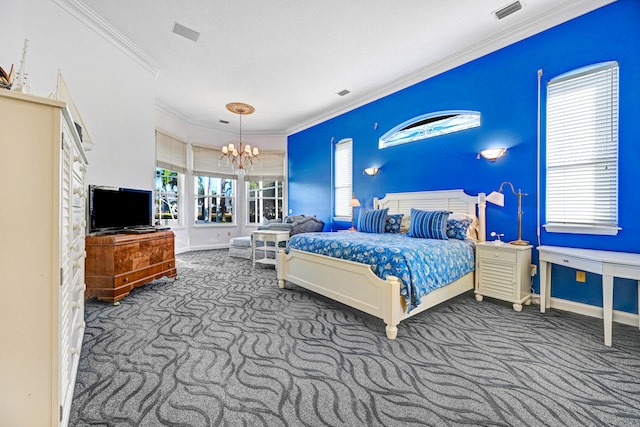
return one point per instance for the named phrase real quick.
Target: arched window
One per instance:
(430, 125)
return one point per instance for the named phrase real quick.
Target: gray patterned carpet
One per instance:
(224, 346)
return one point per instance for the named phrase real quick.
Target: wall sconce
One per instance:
(497, 198)
(370, 171)
(492, 154)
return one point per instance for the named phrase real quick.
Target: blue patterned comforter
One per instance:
(422, 265)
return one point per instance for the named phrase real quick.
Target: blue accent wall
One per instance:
(503, 87)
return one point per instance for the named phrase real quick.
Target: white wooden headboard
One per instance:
(451, 200)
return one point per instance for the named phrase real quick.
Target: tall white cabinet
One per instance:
(42, 211)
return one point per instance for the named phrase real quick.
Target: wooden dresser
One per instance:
(117, 263)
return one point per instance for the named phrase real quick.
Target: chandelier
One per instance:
(241, 156)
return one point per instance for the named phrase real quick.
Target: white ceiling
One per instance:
(289, 58)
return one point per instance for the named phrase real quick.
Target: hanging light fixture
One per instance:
(241, 156)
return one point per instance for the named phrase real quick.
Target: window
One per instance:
(214, 185)
(343, 178)
(264, 199)
(264, 187)
(214, 199)
(167, 198)
(171, 164)
(430, 125)
(582, 151)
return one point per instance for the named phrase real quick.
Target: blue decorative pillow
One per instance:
(457, 228)
(393, 223)
(372, 220)
(429, 224)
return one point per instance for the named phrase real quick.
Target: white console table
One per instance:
(606, 263)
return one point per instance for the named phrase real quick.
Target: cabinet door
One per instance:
(497, 279)
(72, 233)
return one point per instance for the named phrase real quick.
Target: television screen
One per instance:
(114, 209)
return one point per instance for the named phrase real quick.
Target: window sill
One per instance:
(582, 229)
(214, 224)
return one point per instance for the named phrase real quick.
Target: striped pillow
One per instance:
(429, 224)
(372, 220)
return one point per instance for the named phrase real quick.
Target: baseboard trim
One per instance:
(623, 317)
(207, 247)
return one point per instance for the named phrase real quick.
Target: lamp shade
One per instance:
(496, 198)
(354, 202)
(370, 171)
(493, 153)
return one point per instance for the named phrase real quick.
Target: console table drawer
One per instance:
(572, 262)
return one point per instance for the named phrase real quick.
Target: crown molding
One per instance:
(207, 126)
(564, 12)
(100, 26)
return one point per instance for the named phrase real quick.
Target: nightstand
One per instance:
(503, 272)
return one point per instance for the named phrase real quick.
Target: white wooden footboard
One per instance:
(348, 282)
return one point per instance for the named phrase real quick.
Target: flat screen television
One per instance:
(113, 209)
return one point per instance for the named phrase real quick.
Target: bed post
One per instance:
(392, 302)
(280, 267)
(482, 218)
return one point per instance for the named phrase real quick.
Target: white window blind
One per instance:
(208, 161)
(582, 150)
(171, 153)
(343, 177)
(268, 166)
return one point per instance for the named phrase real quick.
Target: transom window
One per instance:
(430, 125)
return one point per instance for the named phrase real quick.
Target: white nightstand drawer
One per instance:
(496, 253)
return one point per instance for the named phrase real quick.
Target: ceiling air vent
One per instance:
(343, 92)
(508, 10)
(186, 32)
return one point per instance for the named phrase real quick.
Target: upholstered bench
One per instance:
(240, 247)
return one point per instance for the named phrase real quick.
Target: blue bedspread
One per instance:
(422, 265)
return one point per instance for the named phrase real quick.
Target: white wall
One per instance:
(190, 236)
(114, 94)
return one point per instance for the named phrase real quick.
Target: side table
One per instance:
(267, 236)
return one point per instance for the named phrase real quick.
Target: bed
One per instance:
(356, 285)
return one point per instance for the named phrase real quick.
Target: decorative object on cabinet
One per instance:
(117, 263)
(502, 272)
(497, 198)
(63, 94)
(6, 79)
(242, 156)
(492, 154)
(21, 82)
(42, 329)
